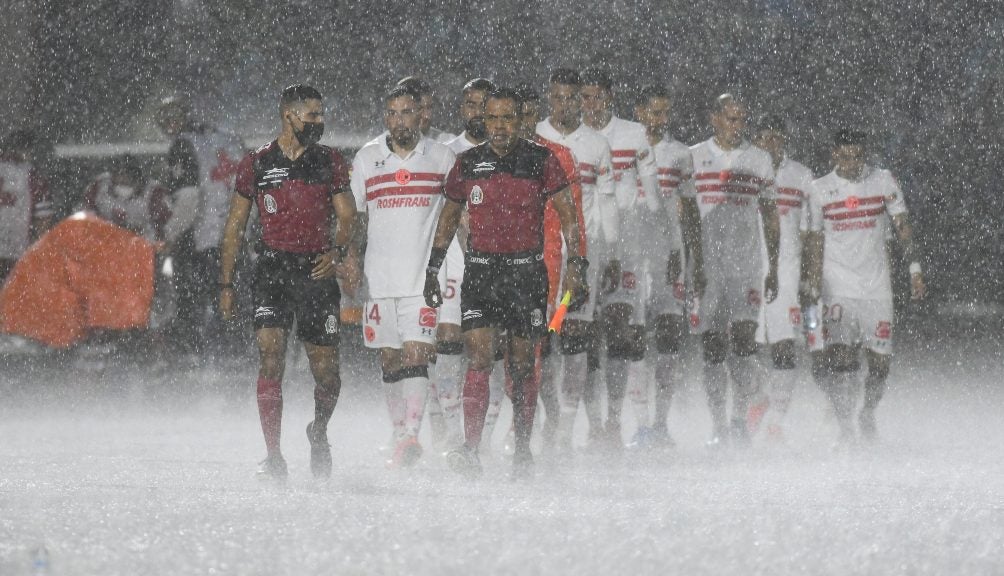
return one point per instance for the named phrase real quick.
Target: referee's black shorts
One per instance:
(283, 290)
(505, 291)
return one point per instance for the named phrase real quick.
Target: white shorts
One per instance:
(631, 289)
(587, 312)
(727, 300)
(781, 319)
(451, 277)
(853, 321)
(390, 322)
(661, 297)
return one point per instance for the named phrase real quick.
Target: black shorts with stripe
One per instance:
(505, 291)
(284, 291)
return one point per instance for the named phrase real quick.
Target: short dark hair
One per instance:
(849, 137)
(480, 84)
(566, 76)
(402, 90)
(597, 77)
(297, 93)
(771, 122)
(723, 100)
(503, 93)
(417, 84)
(652, 91)
(527, 93)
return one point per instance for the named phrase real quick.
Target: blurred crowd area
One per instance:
(923, 78)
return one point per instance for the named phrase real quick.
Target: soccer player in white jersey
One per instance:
(26, 210)
(449, 338)
(397, 182)
(734, 187)
(781, 320)
(428, 103)
(637, 196)
(851, 212)
(666, 297)
(599, 207)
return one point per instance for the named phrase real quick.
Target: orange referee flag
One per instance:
(559, 314)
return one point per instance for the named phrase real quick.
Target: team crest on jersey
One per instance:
(402, 177)
(427, 317)
(536, 317)
(270, 204)
(477, 196)
(331, 324)
(852, 203)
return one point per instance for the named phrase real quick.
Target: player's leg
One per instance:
(621, 352)
(521, 358)
(449, 365)
(783, 379)
(875, 385)
(318, 326)
(716, 379)
(669, 332)
(272, 365)
(741, 365)
(573, 346)
(496, 392)
(549, 366)
(414, 374)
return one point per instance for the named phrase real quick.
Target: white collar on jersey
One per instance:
(717, 151)
(420, 148)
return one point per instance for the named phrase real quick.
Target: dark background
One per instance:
(923, 77)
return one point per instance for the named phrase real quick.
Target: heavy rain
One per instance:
(157, 343)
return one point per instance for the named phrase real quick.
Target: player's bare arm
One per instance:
(446, 229)
(812, 268)
(326, 265)
(772, 234)
(564, 205)
(904, 233)
(690, 220)
(233, 234)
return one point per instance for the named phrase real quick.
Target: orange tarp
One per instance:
(84, 273)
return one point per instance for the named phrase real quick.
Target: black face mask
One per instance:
(476, 128)
(311, 133)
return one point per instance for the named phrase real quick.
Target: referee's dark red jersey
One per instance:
(506, 195)
(294, 196)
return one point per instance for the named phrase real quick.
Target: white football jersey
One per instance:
(135, 211)
(855, 218)
(728, 185)
(460, 143)
(792, 181)
(674, 167)
(599, 207)
(218, 153)
(633, 162)
(402, 198)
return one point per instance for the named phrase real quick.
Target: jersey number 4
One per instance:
(374, 314)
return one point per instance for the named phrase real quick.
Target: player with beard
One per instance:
(599, 207)
(397, 183)
(298, 188)
(851, 209)
(449, 337)
(428, 103)
(734, 188)
(666, 299)
(505, 184)
(781, 320)
(635, 186)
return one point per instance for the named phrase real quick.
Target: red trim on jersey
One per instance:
(843, 203)
(403, 191)
(731, 177)
(420, 176)
(855, 214)
(624, 153)
(583, 166)
(790, 203)
(670, 171)
(588, 179)
(728, 188)
(623, 165)
(790, 192)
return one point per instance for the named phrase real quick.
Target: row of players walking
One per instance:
(465, 246)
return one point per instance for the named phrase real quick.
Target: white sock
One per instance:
(449, 371)
(667, 380)
(394, 397)
(414, 391)
(638, 384)
(741, 371)
(496, 391)
(716, 381)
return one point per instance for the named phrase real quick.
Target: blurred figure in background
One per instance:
(26, 210)
(428, 103)
(202, 162)
(125, 197)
